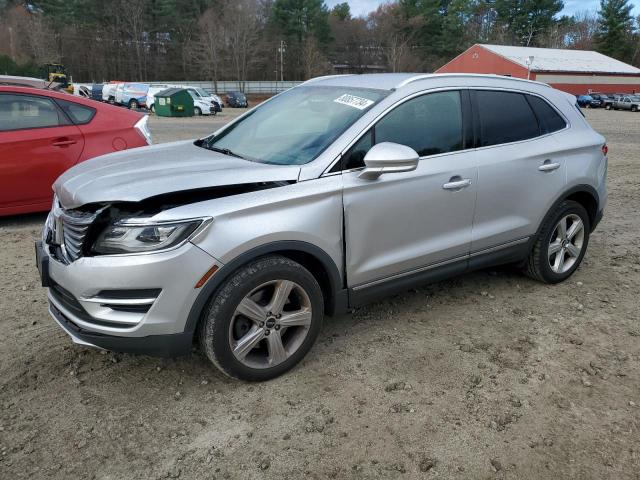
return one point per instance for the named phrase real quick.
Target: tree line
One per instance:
(145, 40)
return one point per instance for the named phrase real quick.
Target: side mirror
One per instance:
(387, 157)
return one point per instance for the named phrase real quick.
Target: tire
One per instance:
(607, 107)
(133, 104)
(197, 112)
(112, 100)
(634, 108)
(152, 108)
(222, 327)
(538, 265)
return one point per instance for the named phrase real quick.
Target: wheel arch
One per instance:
(313, 258)
(585, 195)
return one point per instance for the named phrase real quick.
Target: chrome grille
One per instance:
(69, 229)
(74, 233)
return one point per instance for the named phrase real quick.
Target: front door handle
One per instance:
(457, 183)
(63, 142)
(547, 166)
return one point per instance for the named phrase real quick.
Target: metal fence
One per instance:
(259, 87)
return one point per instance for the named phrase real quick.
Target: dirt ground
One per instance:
(490, 375)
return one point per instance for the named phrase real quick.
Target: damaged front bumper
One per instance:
(127, 303)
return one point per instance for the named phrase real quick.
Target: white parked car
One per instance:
(203, 102)
(109, 92)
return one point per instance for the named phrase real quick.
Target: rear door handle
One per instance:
(457, 183)
(63, 142)
(547, 166)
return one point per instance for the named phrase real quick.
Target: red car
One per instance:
(43, 133)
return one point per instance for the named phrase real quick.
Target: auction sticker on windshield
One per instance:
(355, 102)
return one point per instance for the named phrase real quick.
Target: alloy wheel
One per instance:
(566, 243)
(270, 324)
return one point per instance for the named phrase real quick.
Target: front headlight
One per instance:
(129, 237)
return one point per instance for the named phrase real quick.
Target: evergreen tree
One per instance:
(615, 29)
(342, 11)
(298, 19)
(527, 20)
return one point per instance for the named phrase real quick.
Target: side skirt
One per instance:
(512, 252)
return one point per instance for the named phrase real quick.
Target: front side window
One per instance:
(505, 117)
(21, 112)
(430, 124)
(296, 126)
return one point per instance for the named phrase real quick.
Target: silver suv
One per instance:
(321, 199)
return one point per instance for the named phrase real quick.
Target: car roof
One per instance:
(48, 93)
(396, 81)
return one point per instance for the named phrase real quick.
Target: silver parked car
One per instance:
(627, 102)
(321, 199)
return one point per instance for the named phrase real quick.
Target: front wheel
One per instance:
(197, 112)
(561, 244)
(263, 320)
(133, 104)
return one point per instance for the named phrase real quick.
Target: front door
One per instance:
(402, 223)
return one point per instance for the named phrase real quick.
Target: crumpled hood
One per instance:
(140, 173)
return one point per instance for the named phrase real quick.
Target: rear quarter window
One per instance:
(79, 114)
(550, 120)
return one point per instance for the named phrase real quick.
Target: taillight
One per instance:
(605, 149)
(143, 128)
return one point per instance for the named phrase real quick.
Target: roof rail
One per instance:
(464, 75)
(324, 77)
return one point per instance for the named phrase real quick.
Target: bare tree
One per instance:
(242, 26)
(395, 37)
(209, 48)
(313, 60)
(129, 14)
(39, 39)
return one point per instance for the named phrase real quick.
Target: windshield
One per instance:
(635, 99)
(296, 126)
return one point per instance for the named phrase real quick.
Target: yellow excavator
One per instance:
(57, 73)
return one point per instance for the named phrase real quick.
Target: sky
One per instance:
(362, 7)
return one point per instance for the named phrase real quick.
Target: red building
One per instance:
(574, 71)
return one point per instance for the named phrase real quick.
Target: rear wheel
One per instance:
(561, 244)
(263, 320)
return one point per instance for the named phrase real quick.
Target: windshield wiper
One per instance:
(224, 151)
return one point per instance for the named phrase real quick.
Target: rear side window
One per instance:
(505, 117)
(79, 114)
(22, 112)
(550, 121)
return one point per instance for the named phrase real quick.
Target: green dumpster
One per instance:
(174, 102)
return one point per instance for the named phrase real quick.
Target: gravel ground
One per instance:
(489, 375)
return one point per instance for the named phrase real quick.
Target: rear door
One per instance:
(521, 169)
(37, 144)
